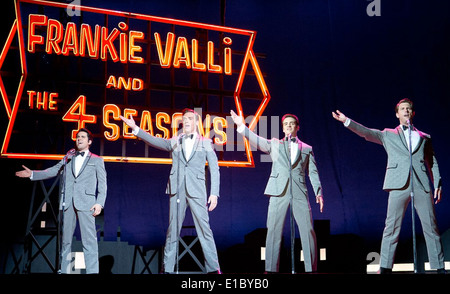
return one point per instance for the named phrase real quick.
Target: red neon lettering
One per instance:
(52, 104)
(112, 112)
(31, 95)
(112, 82)
(135, 35)
(107, 44)
(146, 122)
(41, 100)
(70, 40)
(44, 100)
(182, 53)
(177, 118)
(33, 39)
(122, 83)
(134, 84)
(227, 59)
(115, 130)
(211, 66)
(77, 113)
(195, 64)
(66, 41)
(54, 36)
(219, 123)
(204, 131)
(166, 58)
(88, 42)
(137, 84)
(162, 116)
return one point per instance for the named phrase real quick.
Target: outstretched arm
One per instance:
(153, 141)
(371, 135)
(257, 141)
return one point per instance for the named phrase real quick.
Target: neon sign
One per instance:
(141, 44)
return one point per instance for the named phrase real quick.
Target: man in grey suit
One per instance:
(83, 197)
(187, 186)
(291, 159)
(398, 183)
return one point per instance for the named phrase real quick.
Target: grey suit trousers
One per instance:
(88, 239)
(397, 204)
(199, 210)
(278, 207)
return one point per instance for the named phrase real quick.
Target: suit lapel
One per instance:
(299, 152)
(85, 163)
(194, 148)
(402, 137)
(421, 139)
(286, 151)
(183, 148)
(82, 167)
(73, 166)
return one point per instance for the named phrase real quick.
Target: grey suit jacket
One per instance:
(398, 165)
(191, 169)
(86, 189)
(279, 176)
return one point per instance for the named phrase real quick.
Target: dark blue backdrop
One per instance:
(321, 55)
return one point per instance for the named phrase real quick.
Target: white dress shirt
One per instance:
(79, 160)
(415, 137)
(189, 145)
(294, 149)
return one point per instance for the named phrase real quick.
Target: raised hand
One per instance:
(339, 116)
(238, 120)
(129, 121)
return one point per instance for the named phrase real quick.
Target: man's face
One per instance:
(189, 123)
(82, 141)
(404, 113)
(290, 126)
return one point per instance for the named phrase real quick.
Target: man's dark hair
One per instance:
(89, 134)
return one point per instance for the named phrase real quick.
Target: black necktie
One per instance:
(191, 136)
(79, 153)
(293, 139)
